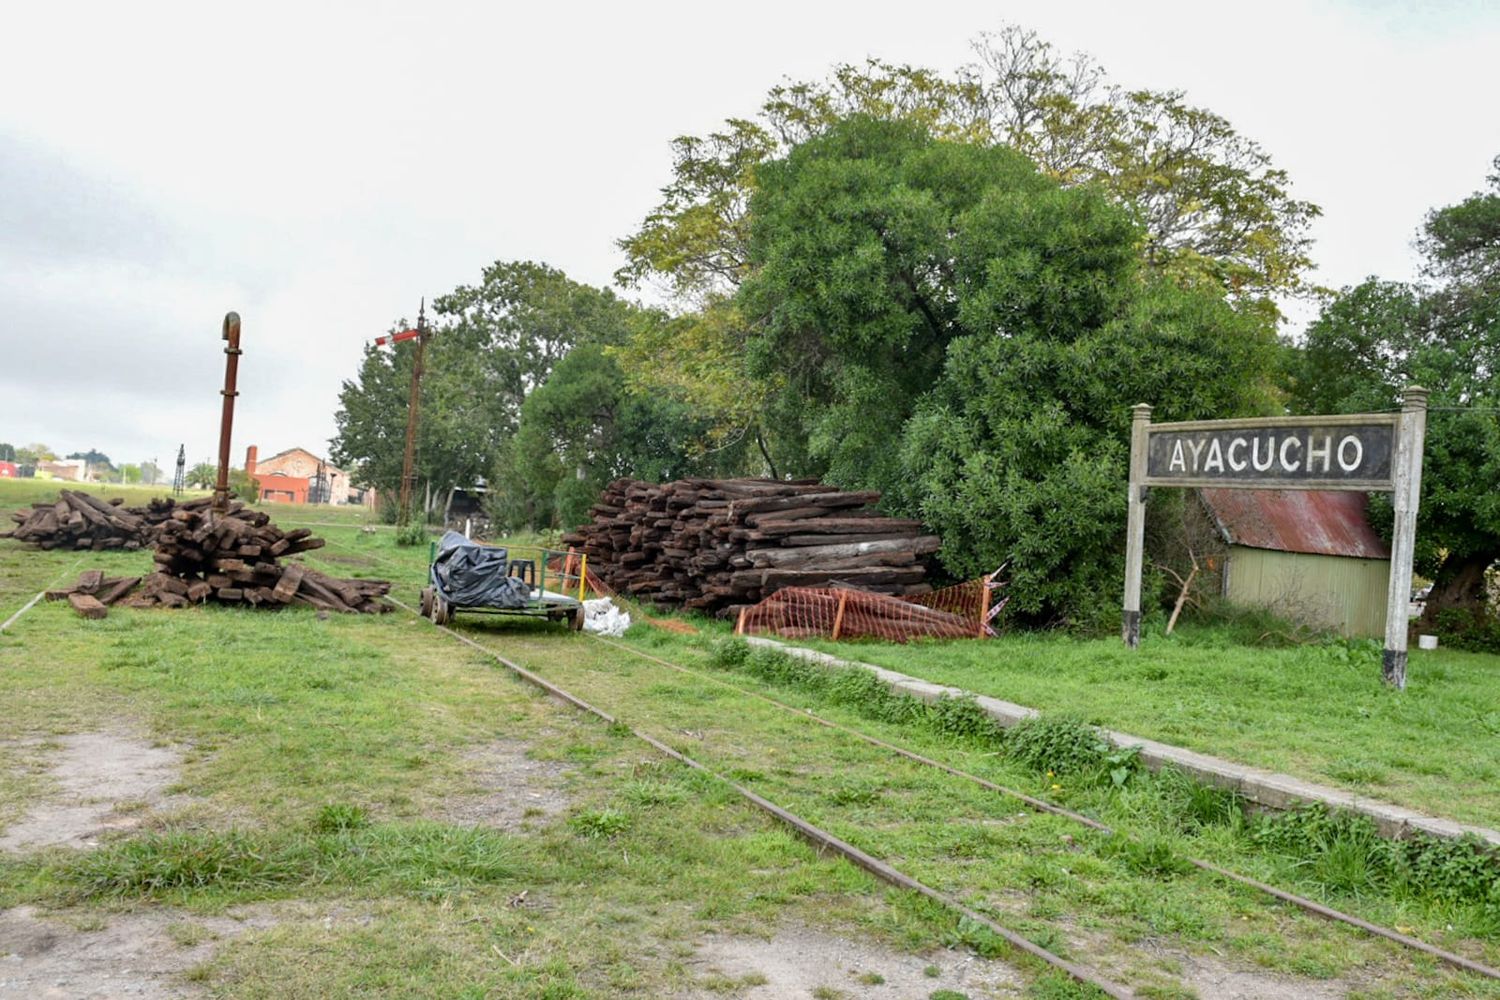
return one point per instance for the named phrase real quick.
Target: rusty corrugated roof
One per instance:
(1328, 523)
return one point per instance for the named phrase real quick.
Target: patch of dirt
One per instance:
(103, 782)
(138, 955)
(1215, 980)
(517, 790)
(798, 961)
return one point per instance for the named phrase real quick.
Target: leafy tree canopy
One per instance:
(201, 476)
(967, 335)
(581, 428)
(491, 345)
(96, 460)
(7, 452)
(1380, 336)
(1211, 205)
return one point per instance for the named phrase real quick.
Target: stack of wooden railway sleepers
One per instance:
(717, 545)
(81, 521)
(230, 558)
(234, 557)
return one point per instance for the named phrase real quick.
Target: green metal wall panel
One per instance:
(1337, 591)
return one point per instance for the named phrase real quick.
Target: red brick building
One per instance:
(290, 476)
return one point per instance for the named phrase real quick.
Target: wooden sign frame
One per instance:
(1368, 452)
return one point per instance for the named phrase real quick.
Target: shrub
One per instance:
(1475, 631)
(411, 533)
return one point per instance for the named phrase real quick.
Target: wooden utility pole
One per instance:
(413, 409)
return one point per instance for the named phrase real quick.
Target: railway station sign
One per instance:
(1348, 453)
(1370, 452)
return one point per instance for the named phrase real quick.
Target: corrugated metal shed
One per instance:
(1315, 522)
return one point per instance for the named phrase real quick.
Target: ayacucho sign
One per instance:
(1354, 453)
(1377, 452)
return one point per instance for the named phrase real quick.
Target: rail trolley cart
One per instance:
(468, 576)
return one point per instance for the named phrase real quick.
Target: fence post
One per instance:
(838, 618)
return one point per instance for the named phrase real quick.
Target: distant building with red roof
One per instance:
(1310, 555)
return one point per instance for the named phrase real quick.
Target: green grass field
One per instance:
(1319, 711)
(337, 780)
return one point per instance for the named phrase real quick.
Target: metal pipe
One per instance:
(226, 419)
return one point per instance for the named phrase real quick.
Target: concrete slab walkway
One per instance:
(1265, 788)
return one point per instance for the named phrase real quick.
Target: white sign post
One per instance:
(1368, 452)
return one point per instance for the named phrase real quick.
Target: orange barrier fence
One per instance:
(963, 611)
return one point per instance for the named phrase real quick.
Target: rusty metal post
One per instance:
(226, 420)
(413, 408)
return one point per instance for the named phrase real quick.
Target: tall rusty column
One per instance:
(226, 420)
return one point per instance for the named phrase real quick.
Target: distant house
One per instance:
(9, 470)
(298, 476)
(72, 469)
(1309, 554)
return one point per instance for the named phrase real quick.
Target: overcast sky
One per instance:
(320, 167)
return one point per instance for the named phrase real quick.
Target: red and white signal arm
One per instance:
(396, 338)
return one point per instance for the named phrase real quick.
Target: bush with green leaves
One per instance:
(966, 335)
(411, 533)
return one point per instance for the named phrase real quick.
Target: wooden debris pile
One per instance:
(83, 521)
(719, 545)
(94, 592)
(233, 558)
(230, 558)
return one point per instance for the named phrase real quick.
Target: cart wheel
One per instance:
(575, 619)
(427, 602)
(442, 614)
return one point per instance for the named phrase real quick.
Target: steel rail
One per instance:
(811, 832)
(39, 595)
(1311, 906)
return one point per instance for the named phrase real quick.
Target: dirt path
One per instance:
(137, 955)
(800, 962)
(104, 781)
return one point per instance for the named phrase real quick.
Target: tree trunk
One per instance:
(760, 442)
(1460, 585)
(448, 505)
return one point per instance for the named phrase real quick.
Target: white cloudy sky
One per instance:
(319, 167)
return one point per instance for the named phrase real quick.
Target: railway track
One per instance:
(734, 770)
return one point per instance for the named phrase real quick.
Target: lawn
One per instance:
(1319, 711)
(339, 784)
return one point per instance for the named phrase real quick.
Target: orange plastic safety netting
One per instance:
(963, 611)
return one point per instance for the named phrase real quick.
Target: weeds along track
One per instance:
(1046, 880)
(819, 836)
(1308, 905)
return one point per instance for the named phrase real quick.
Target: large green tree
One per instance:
(582, 428)
(1212, 209)
(967, 335)
(1443, 334)
(490, 346)
(1210, 203)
